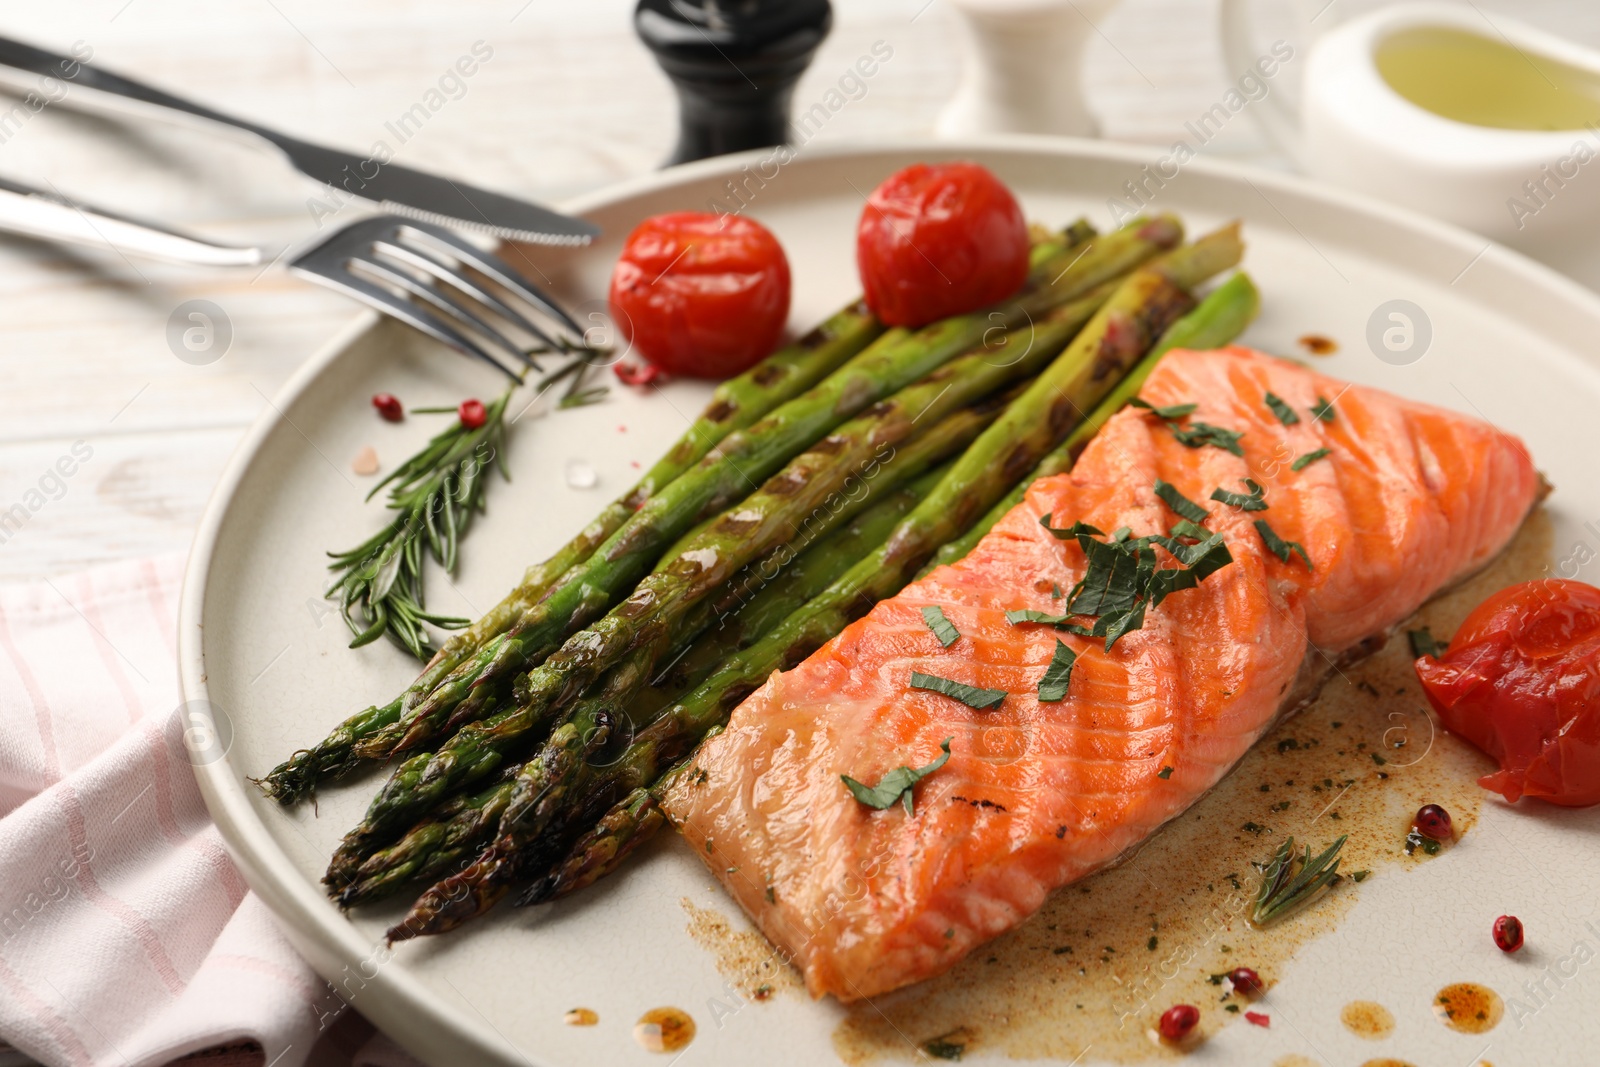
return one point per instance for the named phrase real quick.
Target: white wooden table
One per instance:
(568, 101)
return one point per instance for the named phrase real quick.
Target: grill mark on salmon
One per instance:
(1410, 500)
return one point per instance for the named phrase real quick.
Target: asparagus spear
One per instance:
(606, 707)
(445, 840)
(1136, 314)
(561, 768)
(749, 457)
(433, 848)
(1222, 316)
(736, 404)
(761, 522)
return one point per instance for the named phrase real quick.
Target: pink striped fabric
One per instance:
(126, 935)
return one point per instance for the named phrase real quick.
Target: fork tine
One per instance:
(443, 302)
(404, 310)
(447, 273)
(491, 265)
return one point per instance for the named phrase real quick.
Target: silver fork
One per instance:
(413, 271)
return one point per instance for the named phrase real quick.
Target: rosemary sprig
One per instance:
(1289, 883)
(434, 495)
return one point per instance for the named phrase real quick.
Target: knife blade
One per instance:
(400, 189)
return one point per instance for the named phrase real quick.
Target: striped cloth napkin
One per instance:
(126, 935)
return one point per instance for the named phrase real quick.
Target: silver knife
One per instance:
(399, 189)
(54, 217)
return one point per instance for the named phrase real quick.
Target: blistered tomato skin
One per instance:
(701, 295)
(1521, 681)
(937, 240)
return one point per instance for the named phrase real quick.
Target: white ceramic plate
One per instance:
(1510, 341)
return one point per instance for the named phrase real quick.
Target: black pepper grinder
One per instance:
(735, 64)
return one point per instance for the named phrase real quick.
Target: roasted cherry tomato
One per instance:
(1521, 680)
(701, 295)
(937, 240)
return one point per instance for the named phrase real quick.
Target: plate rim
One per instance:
(392, 998)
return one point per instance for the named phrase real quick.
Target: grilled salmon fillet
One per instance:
(1407, 500)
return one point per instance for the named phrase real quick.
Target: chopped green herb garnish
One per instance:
(1286, 886)
(942, 627)
(1360, 876)
(1185, 528)
(1302, 462)
(896, 785)
(1055, 591)
(970, 695)
(944, 1048)
(1279, 547)
(1200, 434)
(1285, 413)
(1179, 503)
(1231, 1007)
(1123, 580)
(1423, 643)
(1067, 533)
(1323, 412)
(1171, 411)
(1164, 773)
(1057, 676)
(1251, 501)
(1022, 615)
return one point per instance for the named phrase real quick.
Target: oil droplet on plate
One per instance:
(1319, 345)
(664, 1030)
(1294, 1059)
(581, 1017)
(1468, 1007)
(1388, 1063)
(1366, 1019)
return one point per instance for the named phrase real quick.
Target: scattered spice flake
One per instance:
(896, 785)
(1423, 643)
(1318, 345)
(970, 695)
(1323, 412)
(1279, 547)
(1263, 1021)
(942, 627)
(1360, 876)
(1231, 1007)
(1180, 504)
(1164, 773)
(1302, 462)
(1280, 408)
